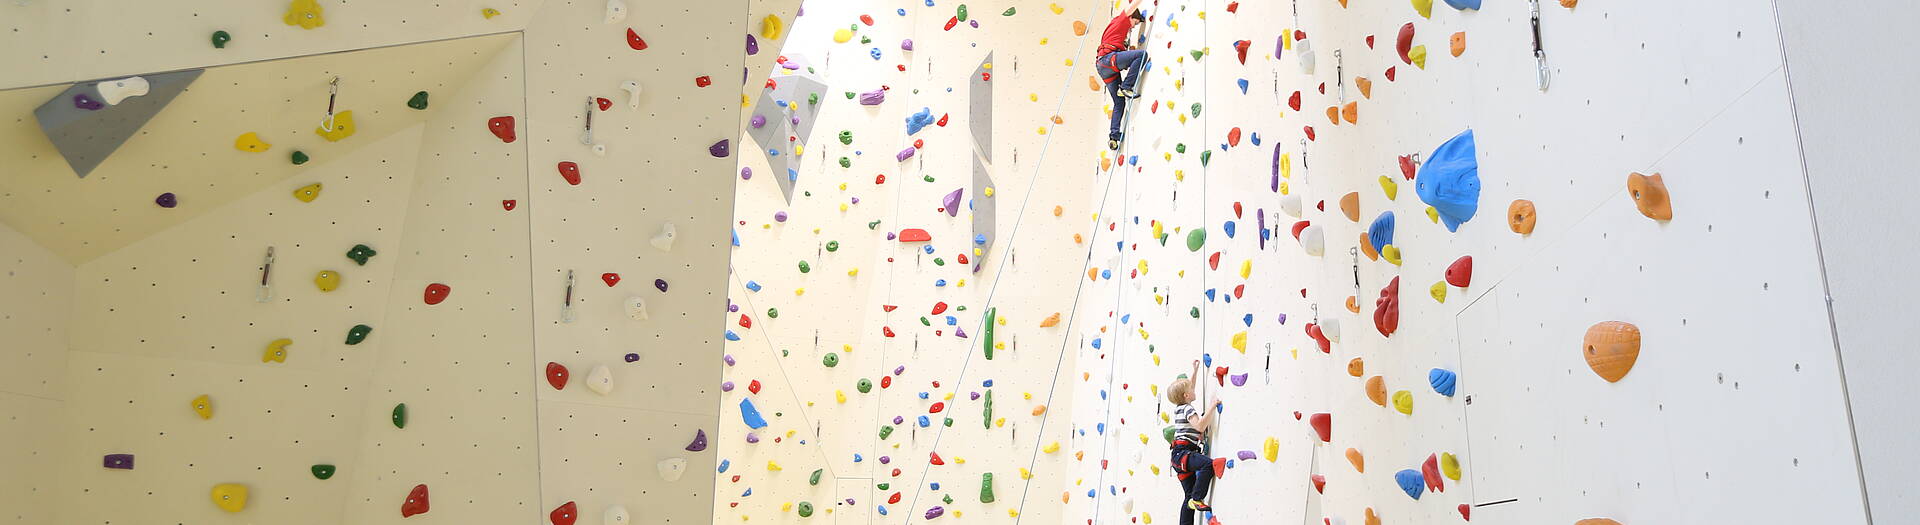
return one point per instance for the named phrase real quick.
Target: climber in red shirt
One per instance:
(1115, 57)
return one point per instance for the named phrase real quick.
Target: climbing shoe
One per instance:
(1113, 144)
(1199, 506)
(1128, 93)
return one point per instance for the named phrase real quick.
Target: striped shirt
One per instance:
(1182, 430)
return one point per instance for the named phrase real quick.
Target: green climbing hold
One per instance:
(849, 97)
(1196, 110)
(785, 352)
(1195, 312)
(883, 486)
(1180, 148)
(986, 487)
(925, 322)
(419, 101)
(872, 225)
(806, 509)
(1167, 433)
(948, 499)
(1197, 54)
(833, 246)
(948, 422)
(360, 253)
(773, 313)
(986, 336)
(864, 385)
(939, 261)
(323, 471)
(846, 162)
(865, 40)
(1008, 12)
(1196, 238)
(1204, 157)
(804, 267)
(220, 39)
(959, 308)
(400, 416)
(962, 12)
(831, 360)
(299, 157)
(813, 98)
(815, 478)
(358, 333)
(807, 193)
(986, 419)
(846, 137)
(928, 178)
(887, 430)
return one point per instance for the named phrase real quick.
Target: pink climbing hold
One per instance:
(570, 171)
(557, 375)
(1460, 273)
(699, 441)
(437, 292)
(502, 127)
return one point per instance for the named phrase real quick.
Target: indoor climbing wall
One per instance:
(1371, 371)
(927, 198)
(398, 364)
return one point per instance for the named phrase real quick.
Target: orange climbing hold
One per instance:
(1520, 216)
(1594, 521)
(1051, 320)
(1079, 28)
(1377, 390)
(1357, 367)
(1457, 43)
(1649, 194)
(1351, 112)
(1611, 348)
(1359, 462)
(1350, 205)
(1366, 86)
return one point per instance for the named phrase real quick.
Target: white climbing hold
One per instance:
(599, 150)
(672, 468)
(664, 239)
(616, 11)
(600, 380)
(632, 87)
(1330, 328)
(1313, 240)
(114, 91)
(1305, 50)
(615, 515)
(1291, 205)
(1126, 507)
(637, 308)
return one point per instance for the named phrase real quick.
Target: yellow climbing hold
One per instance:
(771, 27)
(1271, 448)
(1424, 7)
(1143, 439)
(1246, 268)
(250, 142)
(203, 406)
(1050, 448)
(1433, 215)
(1286, 166)
(840, 396)
(230, 497)
(1403, 402)
(489, 13)
(1450, 466)
(1240, 341)
(776, 466)
(327, 280)
(1389, 187)
(308, 192)
(1438, 291)
(276, 351)
(1056, 8)
(988, 191)
(306, 14)
(1391, 253)
(842, 35)
(1419, 56)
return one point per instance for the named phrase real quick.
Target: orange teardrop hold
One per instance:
(1359, 462)
(1350, 206)
(1366, 86)
(1377, 390)
(1351, 112)
(1611, 348)
(1333, 115)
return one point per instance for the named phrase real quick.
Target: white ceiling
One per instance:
(188, 149)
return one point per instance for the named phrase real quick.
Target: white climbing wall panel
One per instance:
(1688, 435)
(859, 284)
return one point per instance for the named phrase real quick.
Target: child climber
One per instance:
(1190, 462)
(1115, 57)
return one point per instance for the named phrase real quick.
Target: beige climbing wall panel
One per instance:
(35, 319)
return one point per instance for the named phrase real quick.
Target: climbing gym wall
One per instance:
(402, 362)
(1599, 356)
(899, 324)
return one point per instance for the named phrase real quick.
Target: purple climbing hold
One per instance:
(661, 284)
(973, 24)
(890, 236)
(898, 420)
(753, 45)
(758, 121)
(729, 360)
(936, 512)
(746, 173)
(733, 308)
(779, 216)
(633, 357)
(726, 386)
(167, 200)
(960, 332)
(906, 45)
(118, 461)
(82, 101)
(720, 149)
(902, 369)
(1238, 380)
(973, 396)
(873, 98)
(1245, 455)
(699, 441)
(887, 459)
(856, 200)
(1283, 318)
(753, 438)
(903, 155)
(952, 202)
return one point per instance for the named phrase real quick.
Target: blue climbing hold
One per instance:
(1243, 85)
(1206, 359)
(916, 121)
(1100, 428)
(1096, 344)
(753, 285)
(979, 238)
(1411, 481)
(1464, 5)
(1106, 274)
(1228, 229)
(1247, 319)
(857, 458)
(924, 422)
(1442, 381)
(1380, 233)
(1255, 138)
(732, 336)
(1210, 294)
(1450, 181)
(751, 415)
(736, 238)
(724, 464)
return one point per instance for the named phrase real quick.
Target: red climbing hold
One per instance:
(1466, 512)
(570, 171)
(914, 235)
(1240, 48)
(634, 41)
(437, 292)
(1322, 424)
(886, 331)
(1390, 71)
(919, 143)
(1213, 261)
(565, 514)
(880, 179)
(754, 386)
(703, 81)
(962, 258)
(1302, 225)
(943, 120)
(1236, 205)
(953, 21)
(509, 204)
(936, 458)
(1431, 471)
(894, 499)
(887, 307)
(937, 407)
(502, 127)
(557, 375)
(1294, 101)
(416, 502)
(940, 306)
(1219, 468)
(1233, 137)
(867, 19)
(1233, 7)
(1309, 131)
(1369, 41)
(1406, 167)
(886, 381)
(1319, 483)
(1404, 43)
(1460, 273)
(746, 322)
(603, 103)
(1239, 290)
(610, 278)
(1220, 375)
(1386, 309)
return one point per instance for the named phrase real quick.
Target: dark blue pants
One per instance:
(1195, 471)
(1111, 67)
